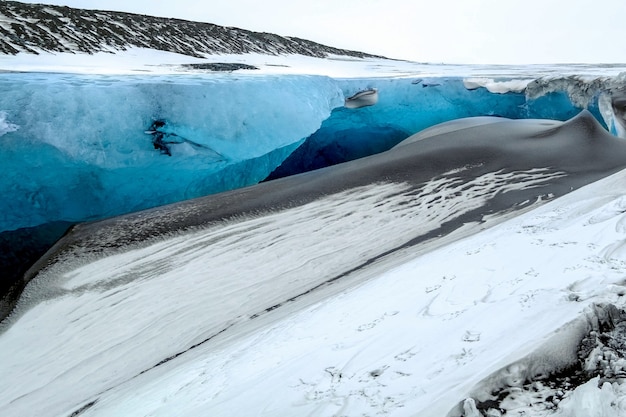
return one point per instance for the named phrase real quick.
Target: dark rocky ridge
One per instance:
(601, 354)
(33, 28)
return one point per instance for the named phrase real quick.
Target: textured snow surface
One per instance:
(414, 337)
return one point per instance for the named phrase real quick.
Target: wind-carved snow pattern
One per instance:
(317, 243)
(415, 340)
(405, 212)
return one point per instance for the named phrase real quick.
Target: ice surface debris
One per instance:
(572, 375)
(363, 98)
(5, 125)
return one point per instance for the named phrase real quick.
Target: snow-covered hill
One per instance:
(33, 28)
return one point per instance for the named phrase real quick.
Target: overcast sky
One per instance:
(451, 31)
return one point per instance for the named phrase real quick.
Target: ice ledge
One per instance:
(136, 60)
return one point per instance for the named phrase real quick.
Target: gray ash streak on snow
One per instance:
(418, 200)
(32, 28)
(83, 409)
(194, 346)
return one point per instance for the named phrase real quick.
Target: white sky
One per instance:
(451, 31)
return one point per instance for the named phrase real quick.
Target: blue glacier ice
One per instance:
(79, 147)
(409, 105)
(75, 148)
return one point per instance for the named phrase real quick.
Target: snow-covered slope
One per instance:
(35, 28)
(488, 313)
(354, 290)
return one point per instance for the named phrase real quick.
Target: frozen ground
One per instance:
(173, 328)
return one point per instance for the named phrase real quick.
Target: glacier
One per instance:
(78, 147)
(81, 151)
(155, 313)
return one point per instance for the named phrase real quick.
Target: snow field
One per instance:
(419, 338)
(414, 340)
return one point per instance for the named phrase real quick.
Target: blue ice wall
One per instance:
(74, 147)
(407, 106)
